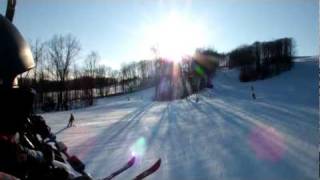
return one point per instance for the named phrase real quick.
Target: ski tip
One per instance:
(132, 160)
(149, 171)
(158, 163)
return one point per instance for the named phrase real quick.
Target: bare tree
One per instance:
(38, 54)
(91, 64)
(62, 51)
(115, 75)
(76, 74)
(142, 65)
(101, 79)
(90, 70)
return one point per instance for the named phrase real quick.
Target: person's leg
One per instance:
(253, 95)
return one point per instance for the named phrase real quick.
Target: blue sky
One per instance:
(120, 30)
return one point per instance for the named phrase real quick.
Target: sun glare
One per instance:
(175, 36)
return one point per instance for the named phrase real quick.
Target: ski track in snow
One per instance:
(225, 136)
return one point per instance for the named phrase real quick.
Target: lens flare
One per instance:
(133, 154)
(175, 35)
(267, 143)
(199, 70)
(139, 147)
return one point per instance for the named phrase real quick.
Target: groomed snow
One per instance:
(225, 136)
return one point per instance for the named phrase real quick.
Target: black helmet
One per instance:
(15, 58)
(15, 53)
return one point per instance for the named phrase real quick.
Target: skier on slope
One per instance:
(71, 120)
(22, 154)
(253, 94)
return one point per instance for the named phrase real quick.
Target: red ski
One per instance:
(149, 171)
(121, 170)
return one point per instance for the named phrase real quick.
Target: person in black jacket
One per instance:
(20, 154)
(253, 94)
(71, 120)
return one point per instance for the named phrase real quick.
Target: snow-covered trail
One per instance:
(226, 135)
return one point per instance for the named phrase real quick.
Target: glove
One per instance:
(58, 173)
(52, 137)
(48, 153)
(40, 126)
(76, 163)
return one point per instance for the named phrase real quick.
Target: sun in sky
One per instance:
(174, 36)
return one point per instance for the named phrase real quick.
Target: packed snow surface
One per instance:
(226, 135)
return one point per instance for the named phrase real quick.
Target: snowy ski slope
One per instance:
(225, 136)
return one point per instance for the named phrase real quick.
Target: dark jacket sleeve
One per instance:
(15, 158)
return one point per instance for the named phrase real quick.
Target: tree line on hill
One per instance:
(261, 60)
(64, 80)
(177, 80)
